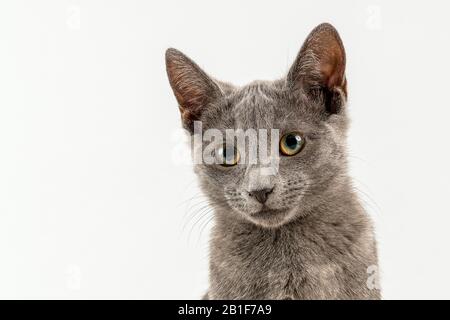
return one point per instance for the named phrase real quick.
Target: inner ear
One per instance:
(319, 69)
(192, 87)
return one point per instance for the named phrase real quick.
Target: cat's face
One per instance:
(305, 109)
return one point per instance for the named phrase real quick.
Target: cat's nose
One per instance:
(261, 195)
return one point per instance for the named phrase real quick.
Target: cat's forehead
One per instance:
(255, 105)
(256, 92)
(261, 105)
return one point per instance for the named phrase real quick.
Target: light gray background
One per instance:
(94, 202)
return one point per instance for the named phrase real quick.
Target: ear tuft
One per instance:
(192, 87)
(319, 68)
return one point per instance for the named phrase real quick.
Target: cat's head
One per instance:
(308, 109)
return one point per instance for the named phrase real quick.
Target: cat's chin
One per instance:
(271, 218)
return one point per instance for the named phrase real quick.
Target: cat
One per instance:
(300, 233)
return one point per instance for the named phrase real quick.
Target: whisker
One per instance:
(202, 216)
(204, 225)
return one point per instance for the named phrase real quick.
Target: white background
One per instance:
(93, 202)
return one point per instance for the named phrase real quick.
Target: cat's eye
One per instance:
(291, 143)
(227, 155)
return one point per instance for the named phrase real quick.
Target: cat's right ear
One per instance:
(192, 87)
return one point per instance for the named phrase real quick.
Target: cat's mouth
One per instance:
(267, 212)
(269, 217)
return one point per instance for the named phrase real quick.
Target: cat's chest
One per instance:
(297, 280)
(279, 265)
(285, 272)
(290, 269)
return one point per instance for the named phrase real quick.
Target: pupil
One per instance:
(228, 153)
(292, 141)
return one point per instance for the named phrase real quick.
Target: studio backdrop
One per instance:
(98, 197)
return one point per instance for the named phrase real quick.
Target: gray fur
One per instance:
(317, 242)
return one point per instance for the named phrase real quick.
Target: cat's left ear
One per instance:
(319, 69)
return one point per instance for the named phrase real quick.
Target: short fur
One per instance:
(312, 239)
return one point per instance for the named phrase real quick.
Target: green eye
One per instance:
(227, 156)
(291, 143)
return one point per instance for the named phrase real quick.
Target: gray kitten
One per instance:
(300, 233)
